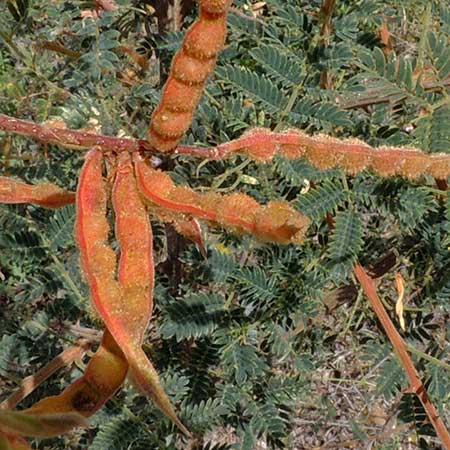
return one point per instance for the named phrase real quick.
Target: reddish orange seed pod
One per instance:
(179, 199)
(191, 229)
(155, 185)
(292, 151)
(215, 6)
(45, 425)
(179, 97)
(208, 203)
(105, 373)
(292, 143)
(322, 156)
(108, 295)
(134, 234)
(414, 164)
(440, 167)
(237, 210)
(184, 195)
(46, 195)
(206, 38)
(385, 163)
(191, 70)
(353, 163)
(280, 222)
(262, 145)
(169, 124)
(162, 143)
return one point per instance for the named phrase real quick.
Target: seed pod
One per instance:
(134, 233)
(191, 66)
(108, 295)
(47, 195)
(276, 222)
(325, 152)
(104, 374)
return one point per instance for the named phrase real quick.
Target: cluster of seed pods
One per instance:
(122, 291)
(124, 301)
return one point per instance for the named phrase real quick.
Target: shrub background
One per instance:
(259, 345)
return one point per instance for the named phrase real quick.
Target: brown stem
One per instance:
(326, 15)
(78, 140)
(416, 384)
(57, 47)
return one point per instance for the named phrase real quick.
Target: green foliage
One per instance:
(259, 345)
(347, 238)
(194, 317)
(119, 432)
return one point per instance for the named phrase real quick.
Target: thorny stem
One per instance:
(416, 385)
(77, 140)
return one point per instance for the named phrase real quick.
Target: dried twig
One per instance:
(74, 139)
(416, 385)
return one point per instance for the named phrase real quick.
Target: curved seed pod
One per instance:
(191, 229)
(58, 414)
(104, 374)
(275, 222)
(134, 233)
(191, 67)
(47, 195)
(30, 383)
(99, 263)
(325, 152)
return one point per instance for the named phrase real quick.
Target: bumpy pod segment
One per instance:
(47, 195)
(190, 68)
(325, 152)
(274, 222)
(215, 6)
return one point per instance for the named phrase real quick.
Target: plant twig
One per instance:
(74, 139)
(416, 385)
